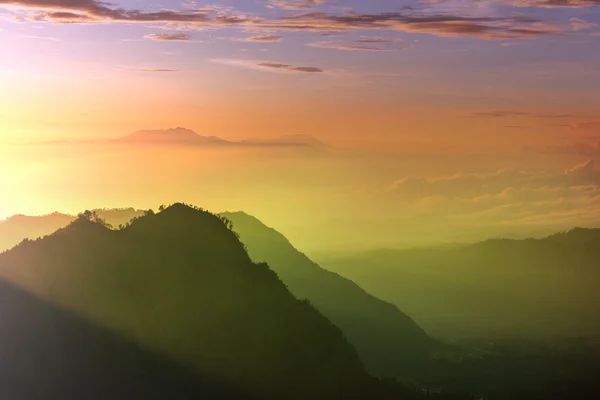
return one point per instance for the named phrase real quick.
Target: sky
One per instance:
(400, 121)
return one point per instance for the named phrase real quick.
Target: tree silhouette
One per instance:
(93, 216)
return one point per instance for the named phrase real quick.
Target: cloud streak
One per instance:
(93, 11)
(507, 196)
(296, 4)
(288, 67)
(523, 3)
(410, 21)
(271, 66)
(363, 44)
(169, 37)
(513, 113)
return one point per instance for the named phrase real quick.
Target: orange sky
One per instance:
(451, 88)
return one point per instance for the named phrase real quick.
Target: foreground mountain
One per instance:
(48, 353)
(181, 283)
(386, 339)
(533, 288)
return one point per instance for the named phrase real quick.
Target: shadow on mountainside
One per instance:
(49, 353)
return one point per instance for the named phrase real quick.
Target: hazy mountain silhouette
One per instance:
(176, 136)
(297, 140)
(386, 339)
(48, 353)
(186, 137)
(19, 227)
(181, 283)
(535, 288)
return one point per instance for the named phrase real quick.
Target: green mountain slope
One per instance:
(532, 288)
(386, 339)
(181, 283)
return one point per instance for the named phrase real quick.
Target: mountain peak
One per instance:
(180, 282)
(177, 135)
(83, 225)
(577, 235)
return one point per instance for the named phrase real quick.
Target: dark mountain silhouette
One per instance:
(386, 339)
(534, 288)
(48, 353)
(181, 283)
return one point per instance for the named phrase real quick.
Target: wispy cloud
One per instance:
(505, 197)
(578, 24)
(147, 69)
(157, 70)
(270, 66)
(49, 38)
(521, 3)
(264, 38)
(94, 11)
(169, 37)
(288, 67)
(363, 44)
(448, 25)
(513, 26)
(295, 4)
(552, 3)
(513, 113)
(267, 38)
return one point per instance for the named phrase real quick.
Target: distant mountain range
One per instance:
(187, 137)
(180, 304)
(18, 227)
(183, 137)
(178, 283)
(533, 288)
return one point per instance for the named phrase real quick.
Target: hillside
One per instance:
(49, 353)
(386, 339)
(532, 288)
(181, 284)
